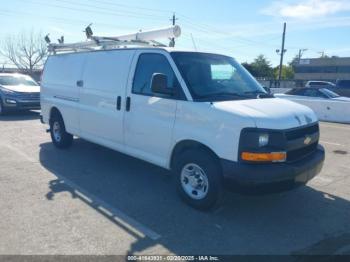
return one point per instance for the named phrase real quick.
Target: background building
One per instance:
(327, 69)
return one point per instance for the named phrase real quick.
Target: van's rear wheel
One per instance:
(59, 135)
(199, 179)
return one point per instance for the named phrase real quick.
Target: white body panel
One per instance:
(332, 110)
(105, 78)
(214, 126)
(148, 127)
(154, 125)
(59, 88)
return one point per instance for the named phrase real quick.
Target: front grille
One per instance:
(29, 105)
(301, 132)
(28, 96)
(296, 137)
(301, 152)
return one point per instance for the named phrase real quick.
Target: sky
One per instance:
(242, 29)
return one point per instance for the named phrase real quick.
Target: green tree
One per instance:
(249, 67)
(261, 67)
(287, 72)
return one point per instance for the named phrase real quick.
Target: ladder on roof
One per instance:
(147, 38)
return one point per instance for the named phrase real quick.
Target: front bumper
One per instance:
(12, 103)
(257, 175)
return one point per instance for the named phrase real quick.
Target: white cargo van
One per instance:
(201, 115)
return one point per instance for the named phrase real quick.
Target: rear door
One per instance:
(102, 95)
(149, 118)
(60, 89)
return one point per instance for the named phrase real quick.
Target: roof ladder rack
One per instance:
(147, 38)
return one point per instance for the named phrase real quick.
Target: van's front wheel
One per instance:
(199, 179)
(59, 135)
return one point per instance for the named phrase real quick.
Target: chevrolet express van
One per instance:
(200, 115)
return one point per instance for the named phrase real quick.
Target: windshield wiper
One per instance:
(222, 95)
(260, 94)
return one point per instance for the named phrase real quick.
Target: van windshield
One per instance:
(16, 81)
(211, 77)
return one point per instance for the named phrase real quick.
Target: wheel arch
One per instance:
(185, 145)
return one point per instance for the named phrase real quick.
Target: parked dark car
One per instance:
(319, 84)
(18, 92)
(342, 88)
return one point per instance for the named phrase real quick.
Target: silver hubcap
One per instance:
(57, 131)
(194, 181)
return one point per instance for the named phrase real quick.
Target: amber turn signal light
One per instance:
(264, 157)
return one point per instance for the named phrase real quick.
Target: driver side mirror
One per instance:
(159, 84)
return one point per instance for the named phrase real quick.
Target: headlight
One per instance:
(7, 91)
(263, 140)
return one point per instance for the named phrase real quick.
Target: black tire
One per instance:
(60, 138)
(209, 164)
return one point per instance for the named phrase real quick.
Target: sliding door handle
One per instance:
(119, 103)
(128, 104)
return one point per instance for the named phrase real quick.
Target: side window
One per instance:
(298, 92)
(313, 93)
(148, 65)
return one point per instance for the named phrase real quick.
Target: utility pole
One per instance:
(301, 52)
(283, 51)
(173, 19)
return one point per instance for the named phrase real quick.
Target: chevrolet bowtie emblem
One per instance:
(307, 140)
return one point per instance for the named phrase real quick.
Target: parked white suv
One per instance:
(201, 115)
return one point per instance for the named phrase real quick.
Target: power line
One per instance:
(108, 9)
(129, 6)
(213, 44)
(61, 20)
(110, 13)
(209, 29)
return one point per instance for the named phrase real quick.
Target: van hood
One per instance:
(23, 88)
(273, 113)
